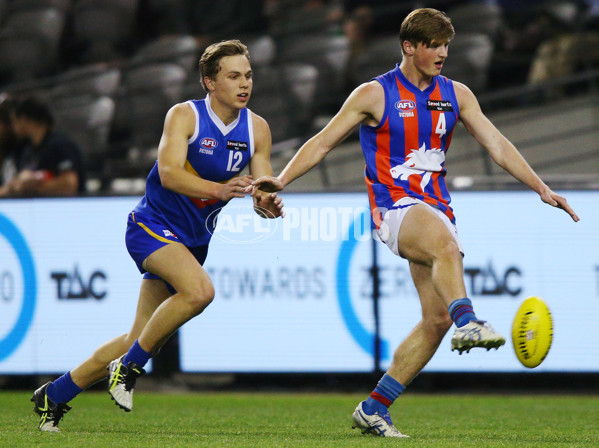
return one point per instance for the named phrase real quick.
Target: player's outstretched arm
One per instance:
(268, 184)
(502, 151)
(267, 205)
(179, 126)
(364, 105)
(552, 198)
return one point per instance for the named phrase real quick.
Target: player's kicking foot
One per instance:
(476, 333)
(377, 424)
(121, 382)
(50, 413)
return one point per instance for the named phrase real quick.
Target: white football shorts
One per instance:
(389, 228)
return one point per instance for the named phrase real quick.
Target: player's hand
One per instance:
(550, 197)
(235, 188)
(268, 184)
(268, 205)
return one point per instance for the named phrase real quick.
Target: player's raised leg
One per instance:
(176, 265)
(437, 271)
(440, 251)
(50, 400)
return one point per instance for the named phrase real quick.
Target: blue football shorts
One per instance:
(146, 233)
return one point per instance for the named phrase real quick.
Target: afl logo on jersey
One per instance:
(405, 105)
(405, 108)
(208, 143)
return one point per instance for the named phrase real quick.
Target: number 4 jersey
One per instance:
(405, 153)
(216, 152)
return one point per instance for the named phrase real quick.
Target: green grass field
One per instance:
(305, 420)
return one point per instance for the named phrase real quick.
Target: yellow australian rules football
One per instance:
(532, 332)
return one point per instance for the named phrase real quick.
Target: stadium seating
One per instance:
(95, 80)
(470, 56)
(3, 10)
(477, 17)
(302, 82)
(270, 100)
(262, 49)
(181, 50)
(192, 88)
(29, 42)
(329, 54)
(87, 120)
(50, 49)
(150, 91)
(285, 97)
(64, 6)
(103, 29)
(147, 93)
(381, 56)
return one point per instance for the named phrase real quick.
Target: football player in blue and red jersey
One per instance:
(406, 118)
(204, 147)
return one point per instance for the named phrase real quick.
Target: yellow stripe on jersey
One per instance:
(190, 169)
(143, 226)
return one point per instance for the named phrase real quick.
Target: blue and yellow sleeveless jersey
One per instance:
(405, 153)
(216, 152)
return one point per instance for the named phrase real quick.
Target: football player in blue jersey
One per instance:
(204, 147)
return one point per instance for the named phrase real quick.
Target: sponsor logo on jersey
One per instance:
(441, 106)
(237, 146)
(169, 233)
(208, 143)
(405, 108)
(206, 151)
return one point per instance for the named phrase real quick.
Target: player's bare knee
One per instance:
(198, 303)
(438, 323)
(199, 298)
(449, 250)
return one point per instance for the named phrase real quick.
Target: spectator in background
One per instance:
(9, 145)
(50, 163)
(528, 46)
(571, 44)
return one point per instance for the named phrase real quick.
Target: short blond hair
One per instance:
(425, 26)
(210, 60)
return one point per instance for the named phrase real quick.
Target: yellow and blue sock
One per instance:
(137, 355)
(383, 395)
(63, 389)
(461, 311)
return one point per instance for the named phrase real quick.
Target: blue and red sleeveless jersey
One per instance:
(405, 153)
(216, 152)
